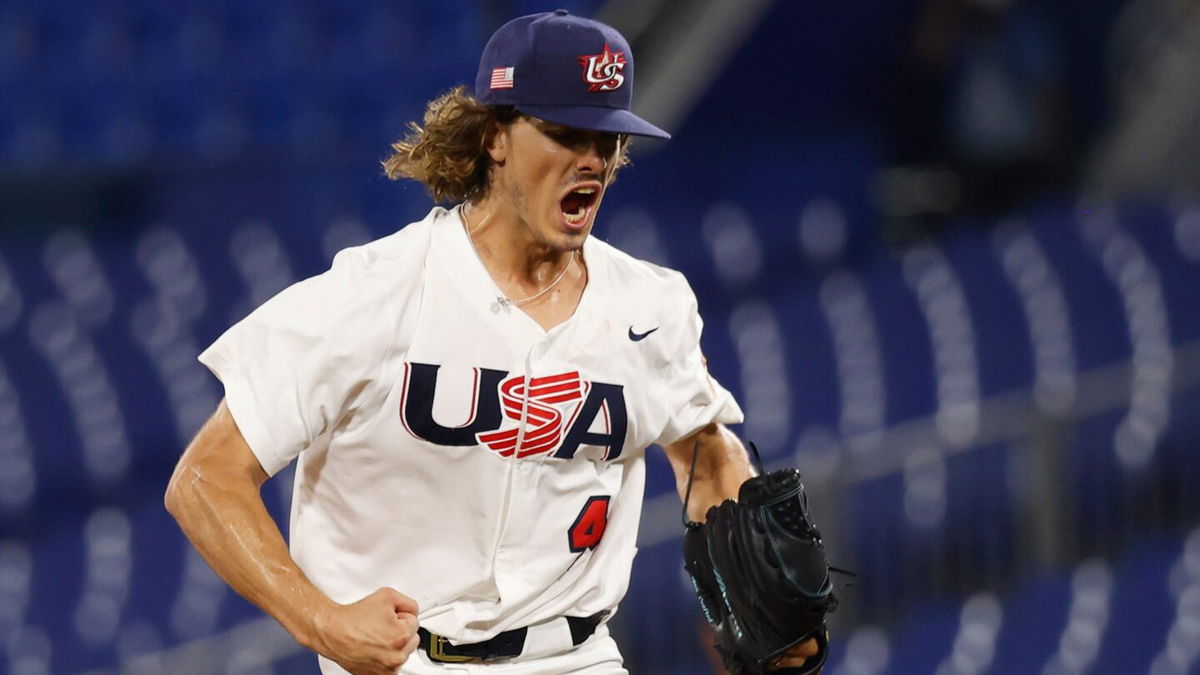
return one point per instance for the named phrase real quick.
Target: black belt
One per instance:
(506, 645)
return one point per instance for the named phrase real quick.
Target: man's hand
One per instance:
(796, 656)
(373, 636)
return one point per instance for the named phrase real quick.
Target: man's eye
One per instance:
(571, 138)
(564, 136)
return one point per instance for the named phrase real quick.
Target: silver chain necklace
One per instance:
(503, 301)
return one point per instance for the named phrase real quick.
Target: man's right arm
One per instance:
(215, 496)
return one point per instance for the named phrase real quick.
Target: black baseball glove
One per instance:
(759, 569)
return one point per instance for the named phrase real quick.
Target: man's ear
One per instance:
(498, 142)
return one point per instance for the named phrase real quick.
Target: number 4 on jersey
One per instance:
(589, 526)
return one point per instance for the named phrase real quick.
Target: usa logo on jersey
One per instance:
(603, 71)
(559, 413)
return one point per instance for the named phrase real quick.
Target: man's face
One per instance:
(554, 178)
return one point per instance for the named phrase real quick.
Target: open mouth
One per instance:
(576, 204)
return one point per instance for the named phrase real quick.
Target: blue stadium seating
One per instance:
(1035, 617)
(1142, 608)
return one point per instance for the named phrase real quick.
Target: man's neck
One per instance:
(508, 247)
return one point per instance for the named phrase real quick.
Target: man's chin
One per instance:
(573, 241)
(565, 239)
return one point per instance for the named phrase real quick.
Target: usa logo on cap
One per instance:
(602, 71)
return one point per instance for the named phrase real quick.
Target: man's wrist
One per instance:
(311, 626)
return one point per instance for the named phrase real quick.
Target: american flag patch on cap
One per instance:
(502, 78)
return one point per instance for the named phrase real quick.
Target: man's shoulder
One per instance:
(380, 273)
(638, 273)
(388, 254)
(651, 296)
(363, 294)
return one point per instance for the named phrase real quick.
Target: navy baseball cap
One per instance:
(564, 69)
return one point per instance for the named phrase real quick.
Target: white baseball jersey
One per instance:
(455, 450)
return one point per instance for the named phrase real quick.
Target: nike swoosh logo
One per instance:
(638, 337)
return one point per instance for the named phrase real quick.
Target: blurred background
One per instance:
(948, 254)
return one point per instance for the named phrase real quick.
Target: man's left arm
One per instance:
(721, 467)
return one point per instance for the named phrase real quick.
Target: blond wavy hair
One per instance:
(449, 153)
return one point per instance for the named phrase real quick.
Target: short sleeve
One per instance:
(694, 398)
(302, 360)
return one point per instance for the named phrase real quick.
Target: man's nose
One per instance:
(590, 160)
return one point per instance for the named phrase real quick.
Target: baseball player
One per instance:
(469, 399)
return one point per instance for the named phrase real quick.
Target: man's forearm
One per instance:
(721, 468)
(238, 538)
(218, 506)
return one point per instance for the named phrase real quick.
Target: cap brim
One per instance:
(608, 120)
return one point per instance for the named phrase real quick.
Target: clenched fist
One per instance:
(373, 636)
